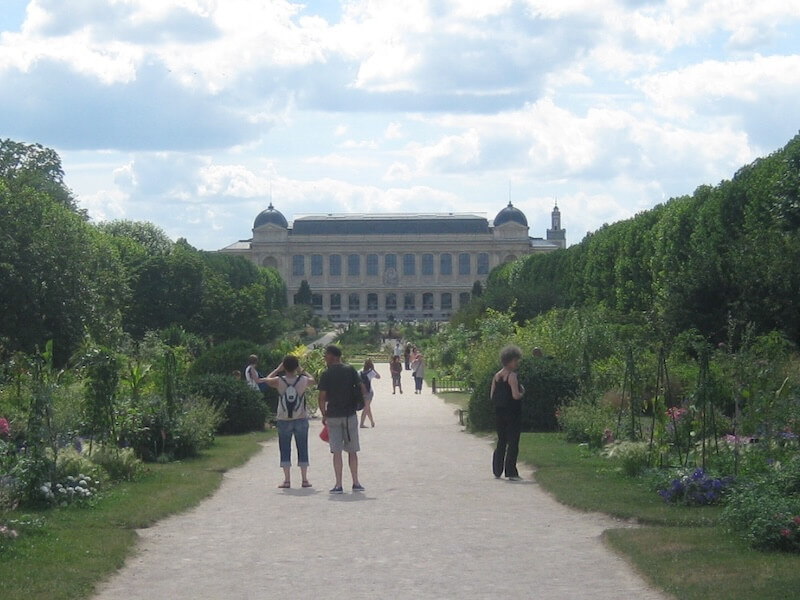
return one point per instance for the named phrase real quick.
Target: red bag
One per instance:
(323, 435)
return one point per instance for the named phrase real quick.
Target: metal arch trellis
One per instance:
(628, 384)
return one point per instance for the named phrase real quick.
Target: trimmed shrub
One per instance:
(244, 408)
(548, 385)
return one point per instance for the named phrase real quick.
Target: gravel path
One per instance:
(433, 523)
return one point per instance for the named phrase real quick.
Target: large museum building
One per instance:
(369, 267)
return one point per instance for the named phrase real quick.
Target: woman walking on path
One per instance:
(367, 375)
(396, 369)
(506, 395)
(418, 370)
(292, 417)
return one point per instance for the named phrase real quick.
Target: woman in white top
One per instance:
(292, 417)
(367, 375)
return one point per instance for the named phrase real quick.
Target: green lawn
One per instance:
(682, 550)
(77, 547)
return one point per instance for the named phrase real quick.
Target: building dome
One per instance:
(510, 215)
(271, 216)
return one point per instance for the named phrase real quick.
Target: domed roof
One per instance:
(510, 215)
(270, 216)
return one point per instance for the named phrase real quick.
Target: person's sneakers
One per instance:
(337, 490)
(357, 487)
(515, 478)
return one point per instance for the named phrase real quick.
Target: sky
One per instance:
(195, 115)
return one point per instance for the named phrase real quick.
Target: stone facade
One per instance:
(402, 266)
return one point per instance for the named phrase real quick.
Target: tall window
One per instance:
(483, 263)
(335, 265)
(463, 299)
(427, 264)
(409, 264)
(446, 264)
(390, 262)
(409, 302)
(463, 263)
(372, 301)
(316, 265)
(447, 301)
(354, 302)
(336, 302)
(316, 301)
(353, 265)
(372, 265)
(298, 265)
(391, 301)
(427, 301)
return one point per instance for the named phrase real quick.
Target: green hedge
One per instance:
(548, 385)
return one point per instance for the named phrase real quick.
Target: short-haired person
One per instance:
(396, 369)
(339, 413)
(291, 416)
(506, 395)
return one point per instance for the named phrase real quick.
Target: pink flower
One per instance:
(4, 428)
(796, 520)
(786, 532)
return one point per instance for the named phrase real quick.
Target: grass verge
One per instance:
(680, 549)
(79, 546)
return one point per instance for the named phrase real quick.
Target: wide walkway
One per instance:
(433, 523)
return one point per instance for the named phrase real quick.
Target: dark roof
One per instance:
(270, 216)
(510, 214)
(431, 224)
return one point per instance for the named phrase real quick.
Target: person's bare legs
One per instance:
(304, 475)
(286, 478)
(337, 467)
(367, 412)
(352, 459)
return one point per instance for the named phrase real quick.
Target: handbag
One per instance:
(323, 435)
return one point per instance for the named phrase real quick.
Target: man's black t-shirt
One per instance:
(337, 382)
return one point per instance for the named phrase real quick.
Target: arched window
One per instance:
(372, 301)
(353, 265)
(464, 298)
(463, 264)
(316, 265)
(298, 265)
(336, 302)
(372, 265)
(483, 263)
(427, 264)
(335, 265)
(391, 301)
(427, 301)
(409, 264)
(353, 302)
(447, 301)
(446, 264)
(316, 301)
(409, 302)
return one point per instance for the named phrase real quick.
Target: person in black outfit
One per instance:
(506, 395)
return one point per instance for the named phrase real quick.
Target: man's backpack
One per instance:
(291, 399)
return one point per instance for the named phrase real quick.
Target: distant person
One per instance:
(506, 394)
(367, 375)
(251, 374)
(407, 354)
(398, 349)
(338, 409)
(292, 416)
(396, 369)
(418, 370)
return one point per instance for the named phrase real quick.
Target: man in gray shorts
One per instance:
(339, 414)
